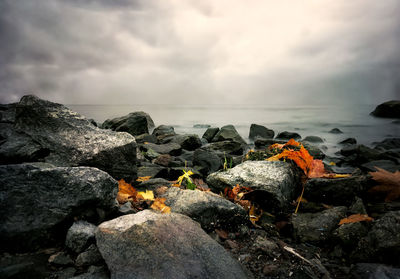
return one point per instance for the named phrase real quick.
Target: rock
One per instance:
(350, 233)
(146, 138)
(335, 131)
(94, 123)
(207, 160)
(152, 170)
(313, 139)
(276, 180)
(263, 143)
(382, 244)
(135, 123)
(60, 259)
(79, 236)
(338, 191)
(126, 208)
(188, 142)
(66, 273)
(210, 210)
(357, 207)
(383, 164)
(39, 201)
(153, 184)
(94, 272)
(260, 131)
(314, 151)
(374, 271)
(288, 135)
(227, 147)
(348, 141)
(163, 130)
(228, 133)
(90, 256)
(360, 154)
(317, 227)
(210, 133)
(171, 148)
(387, 144)
(52, 133)
(7, 113)
(163, 160)
(154, 245)
(201, 126)
(390, 109)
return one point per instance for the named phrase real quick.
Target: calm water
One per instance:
(354, 121)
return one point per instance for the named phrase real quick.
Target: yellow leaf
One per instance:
(159, 205)
(148, 195)
(125, 191)
(254, 217)
(186, 175)
(332, 164)
(143, 178)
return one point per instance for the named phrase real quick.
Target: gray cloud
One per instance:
(125, 51)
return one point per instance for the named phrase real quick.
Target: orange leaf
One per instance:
(389, 183)
(159, 205)
(125, 191)
(356, 218)
(143, 178)
(317, 169)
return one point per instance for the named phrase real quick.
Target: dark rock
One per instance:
(94, 272)
(277, 181)
(94, 123)
(126, 208)
(390, 109)
(227, 147)
(338, 191)
(374, 271)
(163, 130)
(60, 259)
(288, 135)
(360, 154)
(146, 138)
(228, 133)
(90, 256)
(313, 139)
(207, 160)
(135, 123)
(154, 245)
(209, 209)
(387, 144)
(65, 273)
(335, 131)
(188, 142)
(153, 184)
(7, 113)
(348, 141)
(349, 234)
(314, 151)
(54, 134)
(260, 131)
(171, 148)
(186, 155)
(210, 133)
(79, 236)
(357, 207)
(38, 202)
(151, 170)
(263, 143)
(317, 227)
(163, 160)
(383, 164)
(201, 126)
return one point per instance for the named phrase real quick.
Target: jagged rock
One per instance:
(390, 109)
(260, 131)
(154, 245)
(52, 133)
(228, 133)
(79, 235)
(317, 227)
(90, 256)
(188, 142)
(207, 160)
(210, 210)
(288, 135)
(277, 180)
(210, 133)
(313, 139)
(39, 201)
(135, 123)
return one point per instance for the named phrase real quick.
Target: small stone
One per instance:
(90, 256)
(79, 235)
(60, 259)
(335, 131)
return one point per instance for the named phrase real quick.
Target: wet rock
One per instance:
(210, 210)
(152, 170)
(38, 202)
(210, 133)
(383, 164)
(263, 143)
(171, 148)
(349, 234)
(288, 135)
(348, 141)
(357, 207)
(335, 131)
(201, 126)
(338, 191)
(276, 180)
(60, 259)
(52, 133)
(228, 133)
(317, 227)
(163, 160)
(314, 151)
(360, 154)
(374, 271)
(188, 142)
(390, 109)
(79, 235)
(154, 245)
(387, 144)
(90, 256)
(313, 139)
(207, 160)
(227, 147)
(163, 130)
(260, 131)
(135, 123)
(7, 113)
(146, 138)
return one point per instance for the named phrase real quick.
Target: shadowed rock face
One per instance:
(53, 133)
(390, 109)
(135, 123)
(154, 245)
(39, 201)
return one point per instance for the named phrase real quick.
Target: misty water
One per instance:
(353, 121)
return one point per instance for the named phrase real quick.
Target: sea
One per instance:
(353, 120)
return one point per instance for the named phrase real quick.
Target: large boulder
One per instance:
(79, 236)
(209, 209)
(285, 135)
(260, 131)
(52, 133)
(390, 109)
(228, 133)
(154, 245)
(135, 123)
(210, 133)
(171, 148)
(38, 202)
(277, 181)
(188, 141)
(207, 160)
(226, 146)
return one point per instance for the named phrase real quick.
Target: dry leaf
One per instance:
(389, 183)
(254, 216)
(125, 192)
(148, 195)
(143, 178)
(159, 205)
(355, 218)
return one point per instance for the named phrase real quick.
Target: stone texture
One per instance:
(260, 131)
(390, 109)
(228, 133)
(135, 123)
(79, 236)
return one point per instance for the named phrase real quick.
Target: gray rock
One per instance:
(350, 233)
(37, 200)
(348, 141)
(228, 133)
(66, 273)
(146, 138)
(288, 135)
(163, 130)
(94, 272)
(151, 170)
(383, 164)
(357, 207)
(360, 154)
(317, 227)
(278, 180)
(210, 133)
(52, 133)
(79, 235)
(387, 144)
(7, 113)
(314, 151)
(260, 131)
(171, 148)
(154, 183)
(188, 141)
(390, 109)
(313, 139)
(135, 123)
(90, 256)
(207, 160)
(335, 131)
(210, 210)
(154, 245)
(60, 259)
(227, 147)
(263, 143)
(374, 271)
(126, 208)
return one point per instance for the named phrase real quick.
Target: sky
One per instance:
(200, 52)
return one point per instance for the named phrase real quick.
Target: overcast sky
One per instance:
(208, 51)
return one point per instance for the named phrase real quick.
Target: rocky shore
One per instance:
(60, 218)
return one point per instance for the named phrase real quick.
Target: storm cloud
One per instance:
(146, 51)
